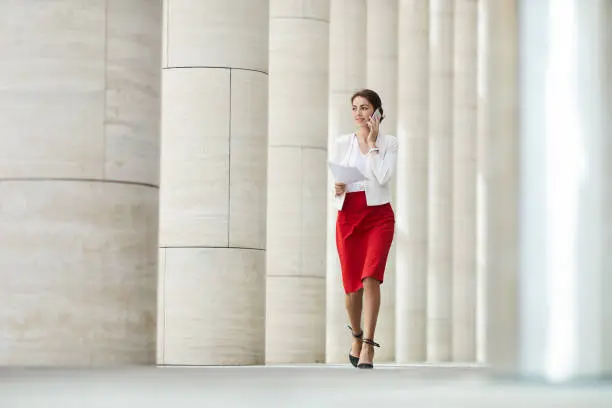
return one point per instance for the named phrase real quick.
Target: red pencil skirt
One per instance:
(363, 238)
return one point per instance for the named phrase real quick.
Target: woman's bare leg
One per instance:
(370, 316)
(354, 305)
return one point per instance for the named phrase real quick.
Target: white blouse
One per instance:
(380, 168)
(356, 159)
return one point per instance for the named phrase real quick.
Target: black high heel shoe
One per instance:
(373, 344)
(354, 360)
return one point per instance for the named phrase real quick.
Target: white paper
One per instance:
(346, 175)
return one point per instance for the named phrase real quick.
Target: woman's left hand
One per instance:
(373, 124)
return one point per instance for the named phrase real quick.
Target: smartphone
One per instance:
(376, 115)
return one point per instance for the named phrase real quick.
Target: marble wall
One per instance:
(79, 173)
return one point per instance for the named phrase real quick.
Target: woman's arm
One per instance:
(381, 165)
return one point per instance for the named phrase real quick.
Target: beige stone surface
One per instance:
(284, 211)
(78, 262)
(337, 335)
(296, 212)
(214, 33)
(412, 181)
(300, 9)
(440, 220)
(52, 89)
(464, 180)
(133, 82)
(165, 22)
(79, 92)
(51, 47)
(42, 128)
(297, 181)
(295, 327)
(161, 306)
(314, 195)
(385, 326)
(195, 160)
(348, 45)
(340, 116)
(481, 210)
(213, 181)
(214, 306)
(82, 70)
(299, 76)
(248, 159)
(501, 184)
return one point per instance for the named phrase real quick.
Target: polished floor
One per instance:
(317, 386)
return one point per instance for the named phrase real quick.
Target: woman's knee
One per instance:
(356, 294)
(370, 282)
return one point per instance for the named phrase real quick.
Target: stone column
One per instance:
(481, 209)
(297, 181)
(347, 74)
(381, 76)
(440, 248)
(464, 181)
(565, 172)
(79, 96)
(213, 177)
(412, 179)
(500, 102)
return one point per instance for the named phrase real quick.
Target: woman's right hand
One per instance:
(340, 188)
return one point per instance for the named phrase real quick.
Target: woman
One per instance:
(365, 224)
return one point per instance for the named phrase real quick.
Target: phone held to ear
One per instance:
(376, 115)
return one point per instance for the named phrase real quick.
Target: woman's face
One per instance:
(362, 110)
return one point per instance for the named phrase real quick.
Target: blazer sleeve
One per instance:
(381, 165)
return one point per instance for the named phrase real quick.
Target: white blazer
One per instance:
(380, 168)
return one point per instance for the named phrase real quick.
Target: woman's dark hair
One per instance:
(373, 98)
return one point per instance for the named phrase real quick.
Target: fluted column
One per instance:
(297, 181)
(565, 173)
(440, 248)
(213, 178)
(381, 76)
(79, 96)
(347, 74)
(412, 179)
(464, 181)
(500, 96)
